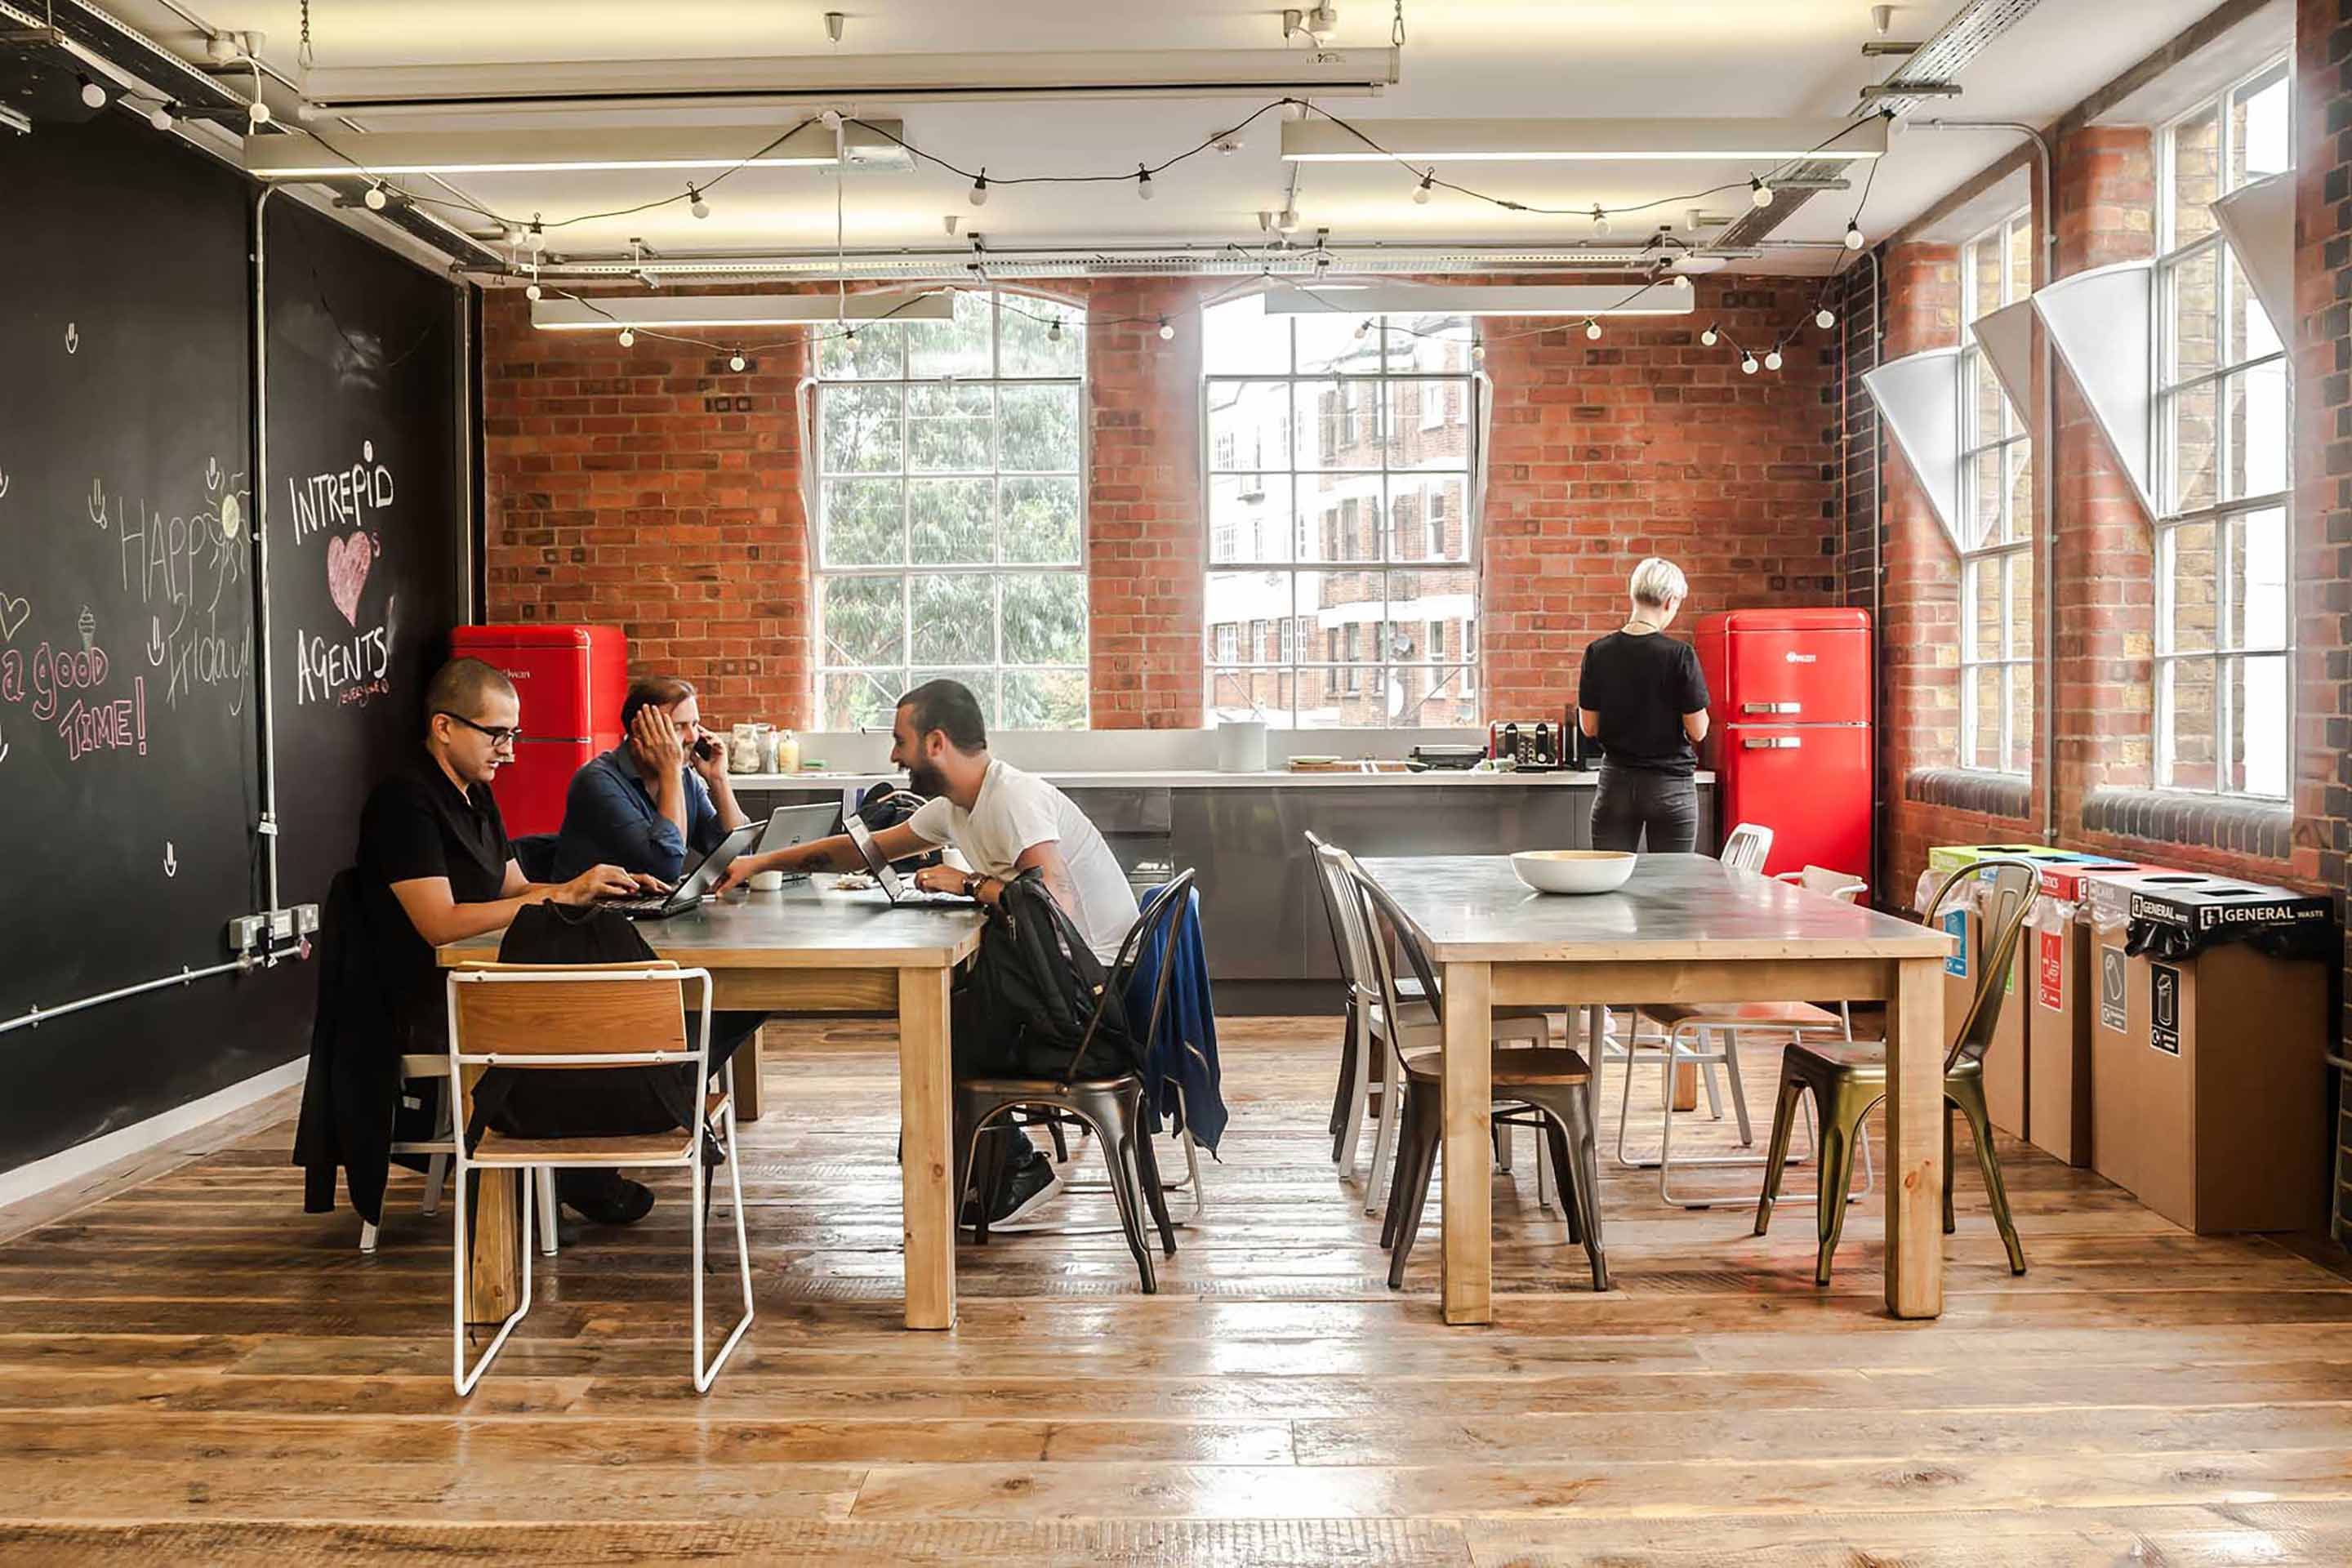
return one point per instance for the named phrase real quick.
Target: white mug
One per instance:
(767, 882)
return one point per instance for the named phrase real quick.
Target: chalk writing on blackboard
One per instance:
(187, 565)
(345, 506)
(63, 685)
(73, 338)
(171, 859)
(13, 614)
(344, 499)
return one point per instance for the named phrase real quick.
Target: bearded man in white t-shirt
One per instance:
(1002, 822)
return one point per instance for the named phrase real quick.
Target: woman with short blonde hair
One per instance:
(1641, 695)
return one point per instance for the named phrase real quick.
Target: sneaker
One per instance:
(606, 1197)
(1024, 1189)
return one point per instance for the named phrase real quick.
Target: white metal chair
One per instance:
(528, 1017)
(1416, 1028)
(1709, 1033)
(431, 1073)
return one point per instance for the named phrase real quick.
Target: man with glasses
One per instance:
(435, 866)
(662, 791)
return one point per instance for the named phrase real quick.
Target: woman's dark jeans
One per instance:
(1633, 802)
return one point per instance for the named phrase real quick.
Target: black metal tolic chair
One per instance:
(1111, 1107)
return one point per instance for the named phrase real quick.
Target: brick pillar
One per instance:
(1145, 535)
(2321, 342)
(2105, 599)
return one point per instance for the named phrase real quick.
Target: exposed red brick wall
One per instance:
(1145, 556)
(1649, 443)
(655, 488)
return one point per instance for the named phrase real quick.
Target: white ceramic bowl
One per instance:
(1573, 870)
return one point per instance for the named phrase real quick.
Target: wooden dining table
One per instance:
(810, 947)
(1687, 929)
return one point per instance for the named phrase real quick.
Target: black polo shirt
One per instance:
(418, 824)
(1641, 684)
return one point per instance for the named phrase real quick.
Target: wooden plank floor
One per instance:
(194, 1371)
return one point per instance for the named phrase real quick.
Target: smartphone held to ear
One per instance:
(706, 750)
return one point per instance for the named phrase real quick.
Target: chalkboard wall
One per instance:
(129, 747)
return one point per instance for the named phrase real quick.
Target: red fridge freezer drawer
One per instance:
(1789, 667)
(1809, 784)
(571, 678)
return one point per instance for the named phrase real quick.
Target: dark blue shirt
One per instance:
(610, 818)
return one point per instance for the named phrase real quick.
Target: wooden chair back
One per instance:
(574, 1014)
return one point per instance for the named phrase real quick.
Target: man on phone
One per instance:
(662, 789)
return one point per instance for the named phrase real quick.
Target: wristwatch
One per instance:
(971, 881)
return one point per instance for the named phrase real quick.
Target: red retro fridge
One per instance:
(1790, 737)
(571, 680)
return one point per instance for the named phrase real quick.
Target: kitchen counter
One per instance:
(1205, 779)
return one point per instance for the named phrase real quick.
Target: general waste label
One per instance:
(1956, 926)
(2110, 989)
(2054, 969)
(2164, 1008)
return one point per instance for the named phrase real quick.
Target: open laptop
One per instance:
(793, 825)
(693, 882)
(894, 887)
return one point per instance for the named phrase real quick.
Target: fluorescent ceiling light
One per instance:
(1492, 299)
(1316, 140)
(739, 310)
(549, 152)
(381, 91)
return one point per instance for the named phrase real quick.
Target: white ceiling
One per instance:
(1528, 59)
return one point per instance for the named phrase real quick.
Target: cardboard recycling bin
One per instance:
(2005, 1066)
(2208, 1049)
(2057, 956)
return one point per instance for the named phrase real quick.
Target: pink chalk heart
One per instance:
(347, 570)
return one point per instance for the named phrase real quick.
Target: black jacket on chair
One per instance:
(1033, 989)
(352, 1093)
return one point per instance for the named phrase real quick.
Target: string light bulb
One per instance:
(1143, 182)
(535, 237)
(695, 204)
(1748, 365)
(1853, 234)
(1421, 191)
(1599, 219)
(628, 338)
(91, 94)
(374, 198)
(1823, 319)
(977, 196)
(257, 112)
(736, 360)
(1592, 331)
(1286, 220)
(1054, 330)
(514, 233)
(1759, 192)
(1710, 337)
(1477, 353)
(1683, 282)
(531, 291)
(1772, 359)
(160, 116)
(1363, 326)
(1167, 330)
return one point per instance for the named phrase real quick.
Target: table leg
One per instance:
(1469, 1152)
(1915, 1143)
(494, 1277)
(748, 1105)
(926, 1081)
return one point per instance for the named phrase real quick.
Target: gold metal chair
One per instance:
(1848, 1079)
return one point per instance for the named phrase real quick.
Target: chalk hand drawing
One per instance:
(155, 639)
(171, 859)
(73, 339)
(12, 614)
(97, 503)
(85, 624)
(347, 570)
(212, 474)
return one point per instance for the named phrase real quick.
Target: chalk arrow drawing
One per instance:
(171, 859)
(73, 339)
(155, 639)
(97, 503)
(212, 473)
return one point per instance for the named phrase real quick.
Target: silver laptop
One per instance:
(793, 825)
(699, 874)
(893, 886)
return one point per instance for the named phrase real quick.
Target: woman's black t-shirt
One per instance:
(1640, 686)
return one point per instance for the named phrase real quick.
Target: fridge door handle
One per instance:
(1773, 743)
(1772, 708)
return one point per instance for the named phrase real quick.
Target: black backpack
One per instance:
(1033, 994)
